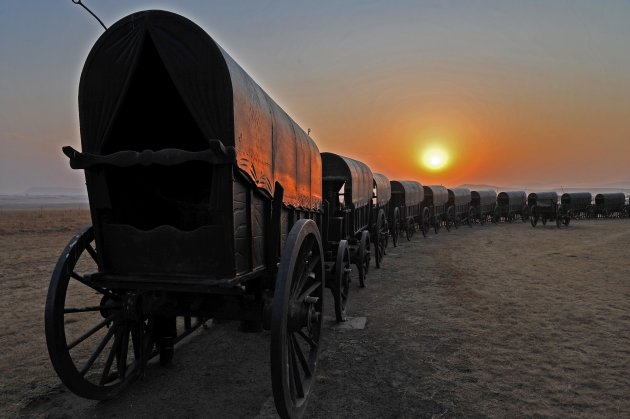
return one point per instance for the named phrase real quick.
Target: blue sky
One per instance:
(500, 83)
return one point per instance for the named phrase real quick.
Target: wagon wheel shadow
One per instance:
(216, 372)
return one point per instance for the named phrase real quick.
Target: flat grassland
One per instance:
(496, 320)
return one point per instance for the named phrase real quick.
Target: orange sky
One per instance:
(520, 92)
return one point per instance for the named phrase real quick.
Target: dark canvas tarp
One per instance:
(383, 189)
(357, 176)
(169, 59)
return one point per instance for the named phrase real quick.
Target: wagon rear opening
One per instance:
(153, 116)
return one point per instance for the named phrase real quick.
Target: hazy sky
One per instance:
(522, 92)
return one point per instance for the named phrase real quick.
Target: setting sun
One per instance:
(435, 158)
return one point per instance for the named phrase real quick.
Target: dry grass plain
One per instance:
(497, 321)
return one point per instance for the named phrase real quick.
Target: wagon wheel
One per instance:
(436, 223)
(496, 215)
(525, 213)
(449, 218)
(379, 244)
(395, 226)
(341, 283)
(364, 258)
(566, 220)
(533, 217)
(558, 217)
(410, 228)
(425, 222)
(471, 215)
(98, 339)
(296, 319)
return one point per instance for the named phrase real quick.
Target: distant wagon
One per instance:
(576, 204)
(405, 208)
(608, 205)
(483, 203)
(544, 206)
(435, 201)
(206, 203)
(347, 190)
(459, 209)
(380, 210)
(510, 205)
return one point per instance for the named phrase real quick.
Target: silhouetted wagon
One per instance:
(380, 210)
(348, 189)
(459, 209)
(405, 208)
(206, 202)
(608, 205)
(575, 204)
(435, 201)
(544, 206)
(483, 203)
(510, 205)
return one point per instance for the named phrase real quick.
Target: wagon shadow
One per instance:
(217, 372)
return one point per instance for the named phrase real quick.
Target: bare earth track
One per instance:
(502, 320)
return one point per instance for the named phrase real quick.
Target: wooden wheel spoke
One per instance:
(92, 331)
(304, 270)
(297, 378)
(82, 280)
(91, 251)
(110, 360)
(98, 350)
(308, 291)
(308, 340)
(301, 357)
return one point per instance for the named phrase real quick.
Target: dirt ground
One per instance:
(497, 320)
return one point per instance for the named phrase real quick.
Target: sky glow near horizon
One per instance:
(518, 93)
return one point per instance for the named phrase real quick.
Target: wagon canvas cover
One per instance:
(171, 58)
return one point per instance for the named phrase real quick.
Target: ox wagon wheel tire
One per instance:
(410, 228)
(101, 346)
(533, 218)
(381, 239)
(525, 213)
(425, 222)
(341, 285)
(364, 258)
(395, 227)
(296, 319)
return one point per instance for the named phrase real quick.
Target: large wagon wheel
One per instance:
(496, 215)
(558, 217)
(436, 224)
(296, 319)
(410, 229)
(395, 226)
(98, 339)
(380, 243)
(471, 215)
(363, 263)
(524, 213)
(567, 219)
(340, 284)
(450, 218)
(533, 217)
(425, 222)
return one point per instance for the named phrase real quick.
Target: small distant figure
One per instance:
(308, 132)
